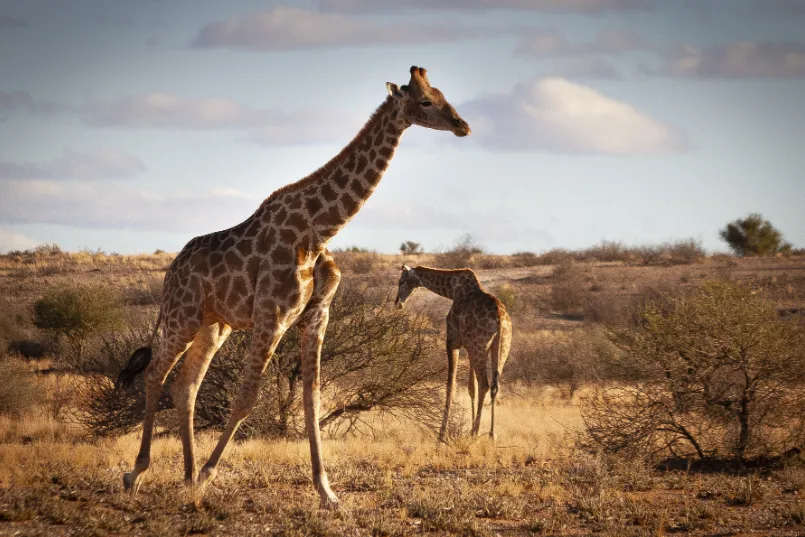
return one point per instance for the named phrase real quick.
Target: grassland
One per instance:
(56, 480)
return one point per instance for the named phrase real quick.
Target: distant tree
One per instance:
(76, 314)
(754, 236)
(410, 248)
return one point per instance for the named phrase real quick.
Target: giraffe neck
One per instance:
(329, 197)
(451, 284)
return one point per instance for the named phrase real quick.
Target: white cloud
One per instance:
(93, 165)
(286, 28)
(95, 205)
(557, 115)
(11, 240)
(265, 127)
(591, 6)
(784, 59)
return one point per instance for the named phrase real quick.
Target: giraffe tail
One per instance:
(138, 362)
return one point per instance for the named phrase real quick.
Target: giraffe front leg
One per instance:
(264, 342)
(312, 326)
(452, 366)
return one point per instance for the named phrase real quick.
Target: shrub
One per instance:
(357, 261)
(18, 390)
(375, 358)
(76, 314)
(506, 294)
(722, 375)
(461, 255)
(566, 361)
(682, 252)
(570, 287)
(754, 236)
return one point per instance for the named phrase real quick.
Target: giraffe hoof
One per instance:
(205, 477)
(331, 503)
(131, 483)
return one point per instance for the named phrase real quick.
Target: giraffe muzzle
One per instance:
(461, 127)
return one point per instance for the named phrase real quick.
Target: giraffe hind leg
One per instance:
(169, 353)
(186, 384)
(478, 361)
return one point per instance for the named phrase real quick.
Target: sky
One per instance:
(134, 126)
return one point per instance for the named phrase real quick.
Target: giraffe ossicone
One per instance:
(268, 273)
(477, 321)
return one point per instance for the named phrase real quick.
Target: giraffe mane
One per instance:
(333, 162)
(450, 271)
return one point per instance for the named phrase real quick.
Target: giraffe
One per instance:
(269, 272)
(477, 321)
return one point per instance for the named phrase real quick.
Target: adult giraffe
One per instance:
(268, 273)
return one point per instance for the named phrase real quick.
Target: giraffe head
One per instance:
(426, 106)
(407, 286)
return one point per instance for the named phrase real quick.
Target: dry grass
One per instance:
(532, 482)
(54, 480)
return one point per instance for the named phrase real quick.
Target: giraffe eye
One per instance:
(425, 103)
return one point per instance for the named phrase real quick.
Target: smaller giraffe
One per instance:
(477, 321)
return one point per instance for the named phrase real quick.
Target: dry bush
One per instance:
(19, 393)
(572, 285)
(145, 291)
(506, 294)
(721, 375)
(357, 260)
(462, 254)
(376, 358)
(526, 259)
(682, 252)
(564, 360)
(609, 251)
(556, 256)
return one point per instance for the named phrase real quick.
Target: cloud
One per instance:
(15, 101)
(580, 59)
(588, 6)
(552, 44)
(586, 67)
(99, 205)
(265, 127)
(287, 28)
(7, 21)
(557, 115)
(11, 240)
(782, 59)
(94, 165)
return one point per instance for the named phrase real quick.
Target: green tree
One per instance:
(410, 248)
(78, 313)
(754, 236)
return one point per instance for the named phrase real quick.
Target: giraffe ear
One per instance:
(394, 90)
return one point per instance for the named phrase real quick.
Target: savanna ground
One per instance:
(391, 477)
